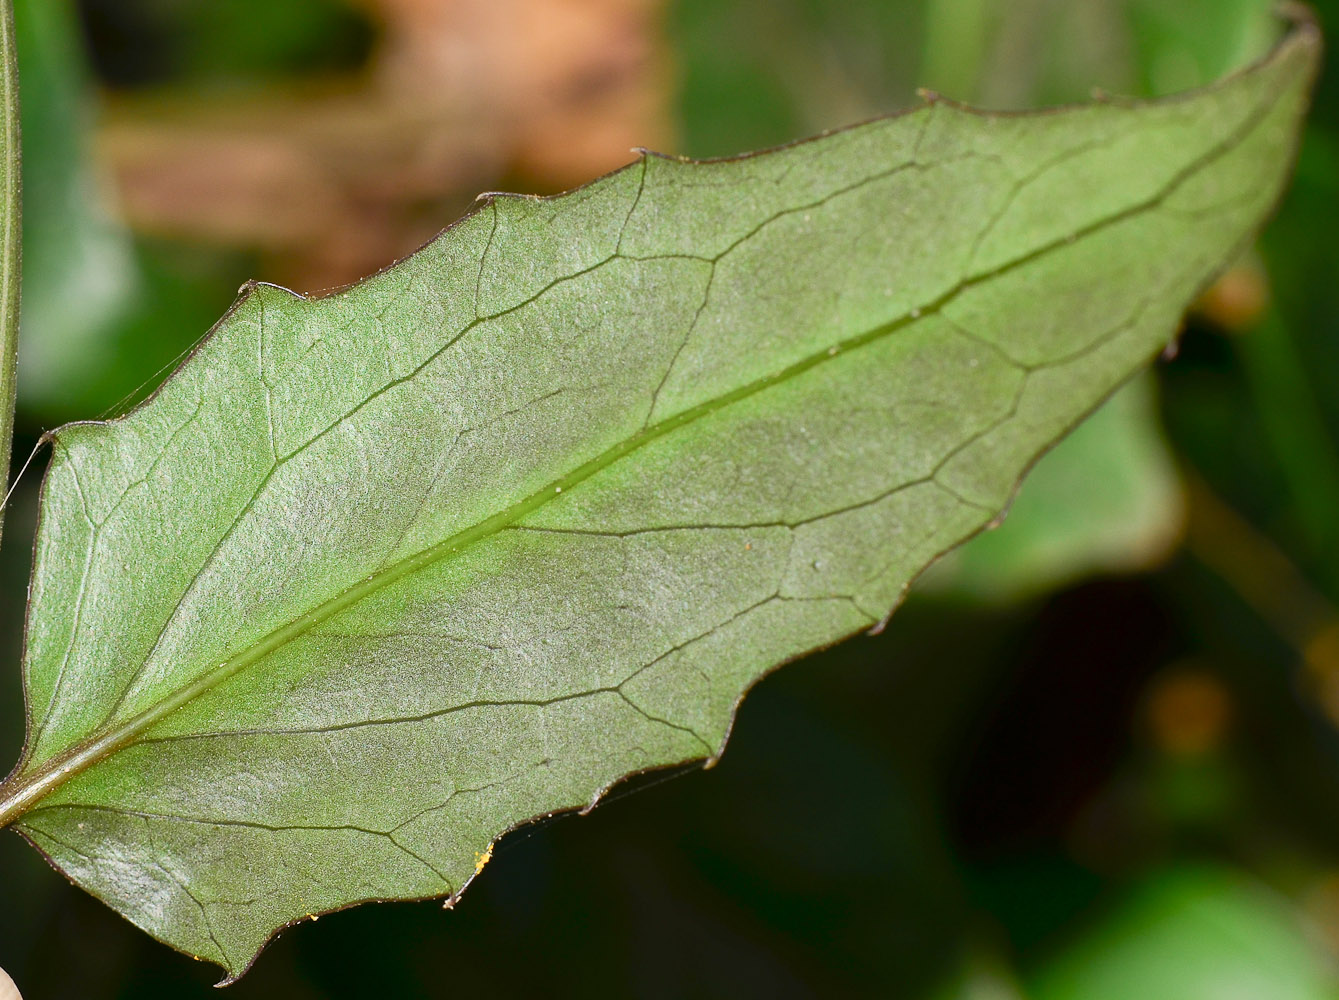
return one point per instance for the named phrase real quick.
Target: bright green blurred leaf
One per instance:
(79, 272)
(1192, 934)
(101, 314)
(1185, 44)
(377, 577)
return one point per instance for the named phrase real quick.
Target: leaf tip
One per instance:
(1304, 38)
(229, 976)
(1300, 15)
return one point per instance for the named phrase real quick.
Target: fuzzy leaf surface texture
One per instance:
(376, 577)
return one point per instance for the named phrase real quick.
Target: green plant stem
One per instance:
(1267, 581)
(1253, 566)
(10, 205)
(1295, 428)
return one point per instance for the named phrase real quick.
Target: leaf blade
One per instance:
(698, 450)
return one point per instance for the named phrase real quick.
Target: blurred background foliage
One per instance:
(1096, 754)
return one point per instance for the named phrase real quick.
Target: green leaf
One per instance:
(9, 236)
(1194, 933)
(376, 577)
(1106, 499)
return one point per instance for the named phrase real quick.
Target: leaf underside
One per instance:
(377, 577)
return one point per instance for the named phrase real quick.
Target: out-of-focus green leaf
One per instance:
(1106, 498)
(376, 577)
(983, 976)
(79, 276)
(101, 314)
(1289, 363)
(1191, 934)
(763, 72)
(957, 39)
(1184, 44)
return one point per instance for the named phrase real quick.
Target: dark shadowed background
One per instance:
(1095, 756)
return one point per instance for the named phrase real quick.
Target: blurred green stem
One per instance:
(1253, 566)
(1296, 431)
(9, 237)
(1266, 580)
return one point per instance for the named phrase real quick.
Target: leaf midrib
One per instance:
(21, 791)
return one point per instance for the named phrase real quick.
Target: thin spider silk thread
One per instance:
(46, 438)
(117, 409)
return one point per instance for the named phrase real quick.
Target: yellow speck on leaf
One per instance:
(482, 859)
